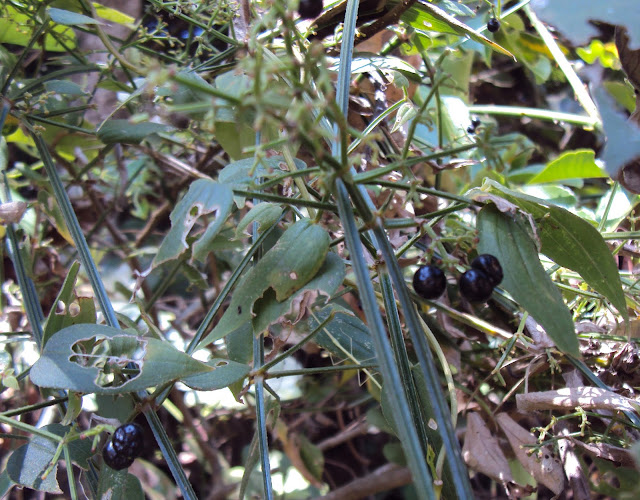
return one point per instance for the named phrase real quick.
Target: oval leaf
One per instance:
(225, 373)
(125, 132)
(578, 164)
(525, 278)
(82, 358)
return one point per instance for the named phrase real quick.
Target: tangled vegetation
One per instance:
(270, 249)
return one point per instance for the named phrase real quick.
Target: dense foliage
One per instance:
(270, 249)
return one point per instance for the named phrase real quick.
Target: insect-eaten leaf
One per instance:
(508, 239)
(203, 198)
(105, 360)
(286, 268)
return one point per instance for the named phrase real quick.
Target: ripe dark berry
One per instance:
(493, 25)
(475, 123)
(429, 282)
(471, 129)
(114, 458)
(490, 265)
(128, 440)
(310, 9)
(475, 286)
(124, 447)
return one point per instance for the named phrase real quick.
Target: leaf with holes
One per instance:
(105, 360)
(203, 198)
(287, 267)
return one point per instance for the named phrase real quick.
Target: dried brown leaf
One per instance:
(544, 467)
(482, 452)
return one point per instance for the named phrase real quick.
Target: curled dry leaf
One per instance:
(12, 211)
(482, 452)
(607, 452)
(545, 469)
(588, 398)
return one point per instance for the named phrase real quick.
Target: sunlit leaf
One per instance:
(578, 164)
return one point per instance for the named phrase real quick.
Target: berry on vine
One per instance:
(124, 446)
(429, 282)
(490, 265)
(114, 459)
(310, 9)
(475, 286)
(493, 25)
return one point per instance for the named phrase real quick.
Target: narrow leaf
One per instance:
(571, 242)
(525, 279)
(125, 132)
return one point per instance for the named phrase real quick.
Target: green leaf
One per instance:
(125, 132)
(17, 28)
(264, 214)
(27, 464)
(225, 373)
(203, 198)
(344, 336)
(84, 358)
(65, 87)
(372, 63)
(572, 243)
(286, 268)
(268, 310)
(113, 15)
(69, 18)
(58, 320)
(525, 279)
(578, 164)
(119, 485)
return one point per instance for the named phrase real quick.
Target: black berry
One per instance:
(429, 282)
(471, 129)
(310, 9)
(475, 286)
(489, 265)
(493, 25)
(475, 123)
(114, 458)
(125, 445)
(128, 439)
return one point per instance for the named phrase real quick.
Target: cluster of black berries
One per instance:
(124, 446)
(310, 9)
(475, 285)
(475, 123)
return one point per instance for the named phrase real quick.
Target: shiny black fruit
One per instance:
(493, 25)
(489, 265)
(128, 439)
(125, 445)
(114, 459)
(475, 286)
(429, 282)
(310, 9)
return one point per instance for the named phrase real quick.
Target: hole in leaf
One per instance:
(222, 363)
(118, 358)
